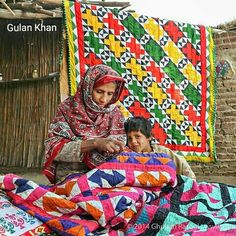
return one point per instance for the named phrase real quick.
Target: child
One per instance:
(139, 136)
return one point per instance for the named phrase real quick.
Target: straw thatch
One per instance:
(41, 9)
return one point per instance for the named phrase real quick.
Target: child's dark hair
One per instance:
(139, 123)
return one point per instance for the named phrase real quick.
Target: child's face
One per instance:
(138, 142)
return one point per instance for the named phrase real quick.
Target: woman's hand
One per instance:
(109, 145)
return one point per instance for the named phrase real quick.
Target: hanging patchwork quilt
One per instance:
(168, 67)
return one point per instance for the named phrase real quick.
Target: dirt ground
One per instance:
(36, 176)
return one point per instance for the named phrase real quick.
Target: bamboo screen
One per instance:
(23, 51)
(26, 109)
(27, 105)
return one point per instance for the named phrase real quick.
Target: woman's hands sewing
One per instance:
(109, 145)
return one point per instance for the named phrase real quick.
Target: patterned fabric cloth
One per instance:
(15, 221)
(168, 67)
(224, 69)
(79, 117)
(132, 194)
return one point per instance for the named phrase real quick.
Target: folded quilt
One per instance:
(132, 194)
(108, 198)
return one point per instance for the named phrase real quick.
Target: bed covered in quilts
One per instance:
(131, 194)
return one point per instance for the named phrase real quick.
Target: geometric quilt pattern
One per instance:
(132, 194)
(168, 67)
(105, 198)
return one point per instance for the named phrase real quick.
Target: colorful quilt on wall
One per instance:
(168, 66)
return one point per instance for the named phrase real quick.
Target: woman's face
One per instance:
(138, 142)
(103, 94)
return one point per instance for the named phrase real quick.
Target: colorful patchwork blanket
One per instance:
(132, 194)
(168, 67)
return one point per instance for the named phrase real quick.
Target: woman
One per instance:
(88, 127)
(139, 136)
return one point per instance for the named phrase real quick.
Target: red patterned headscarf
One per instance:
(79, 117)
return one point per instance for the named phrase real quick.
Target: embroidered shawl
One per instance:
(79, 117)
